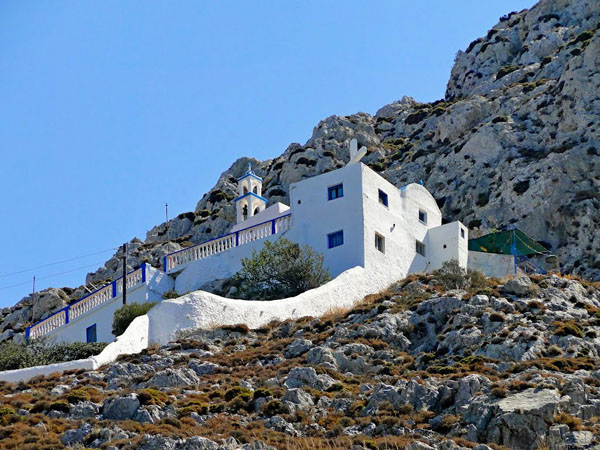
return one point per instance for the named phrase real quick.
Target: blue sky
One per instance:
(109, 109)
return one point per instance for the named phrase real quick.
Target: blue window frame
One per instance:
(383, 198)
(336, 191)
(90, 334)
(422, 216)
(335, 239)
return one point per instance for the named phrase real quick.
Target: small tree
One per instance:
(452, 276)
(280, 269)
(125, 315)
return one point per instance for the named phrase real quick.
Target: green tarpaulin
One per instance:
(502, 241)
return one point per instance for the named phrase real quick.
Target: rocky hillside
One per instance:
(516, 140)
(434, 362)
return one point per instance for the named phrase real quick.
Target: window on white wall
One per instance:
(336, 191)
(422, 216)
(383, 198)
(462, 233)
(380, 242)
(335, 239)
(420, 248)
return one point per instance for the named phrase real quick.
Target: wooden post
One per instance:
(167, 217)
(125, 273)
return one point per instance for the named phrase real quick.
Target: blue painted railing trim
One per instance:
(249, 175)
(224, 236)
(66, 308)
(251, 194)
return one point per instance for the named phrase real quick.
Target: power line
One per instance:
(57, 262)
(53, 275)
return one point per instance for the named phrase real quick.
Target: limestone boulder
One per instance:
(519, 286)
(521, 418)
(120, 408)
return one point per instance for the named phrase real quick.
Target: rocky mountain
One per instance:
(435, 362)
(516, 140)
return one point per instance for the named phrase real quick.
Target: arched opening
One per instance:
(245, 189)
(256, 210)
(245, 212)
(255, 189)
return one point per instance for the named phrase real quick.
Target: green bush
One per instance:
(274, 407)
(78, 395)
(60, 405)
(262, 392)
(280, 269)
(452, 276)
(40, 352)
(237, 391)
(152, 397)
(7, 416)
(568, 328)
(125, 315)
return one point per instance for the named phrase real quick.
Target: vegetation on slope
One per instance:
(416, 362)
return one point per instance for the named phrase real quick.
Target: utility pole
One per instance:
(167, 217)
(125, 273)
(33, 294)
(514, 246)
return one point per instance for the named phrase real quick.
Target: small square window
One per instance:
(422, 216)
(335, 239)
(445, 246)
(383, 198)
(336, 191)
(420, 248)
(462, 233)
(299, 202)
(380, 242)
(90, 334)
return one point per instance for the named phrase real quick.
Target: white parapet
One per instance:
(175, 262)
(204, 310)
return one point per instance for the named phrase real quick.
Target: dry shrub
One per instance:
(335, 313)
(574, 423)
(499, 392)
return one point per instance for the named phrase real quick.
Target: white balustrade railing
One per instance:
(283, 224)
(91, 301)
(49, 324)
(255, 233)
(85, 304)
(226, 242)
(133, 279)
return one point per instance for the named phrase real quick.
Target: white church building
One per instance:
(352, 216)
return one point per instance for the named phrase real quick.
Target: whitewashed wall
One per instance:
(204, 310)
(197, 273)
(445, 243)
(133, 340)
(492, 264)
(360, 215)
(314, 217)
(398, 223)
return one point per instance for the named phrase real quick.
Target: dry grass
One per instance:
(335, 313)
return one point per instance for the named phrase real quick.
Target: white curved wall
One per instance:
(202, 310)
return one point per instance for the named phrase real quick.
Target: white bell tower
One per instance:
(249, 201)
